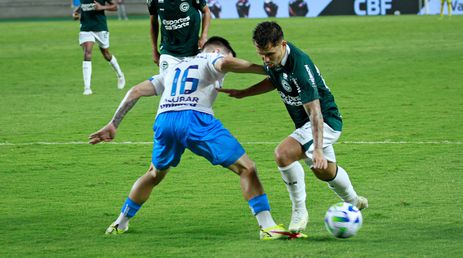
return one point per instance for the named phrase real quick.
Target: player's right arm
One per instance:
(154, 30)
(108, 132)
(260, 88)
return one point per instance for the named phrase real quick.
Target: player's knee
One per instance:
(87, 55)
(282, 157)
(248, 169)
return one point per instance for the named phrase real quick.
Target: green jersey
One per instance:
(90, 19)
(180, 24)
(299, 81)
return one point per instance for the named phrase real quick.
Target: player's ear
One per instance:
(283, 43)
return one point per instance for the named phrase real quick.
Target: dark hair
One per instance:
(267, 32)
(221, 42)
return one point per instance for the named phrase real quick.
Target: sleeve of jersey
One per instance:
(158, 83)
(152, 7)
(306, 80)
(211, 60)
(200, 3)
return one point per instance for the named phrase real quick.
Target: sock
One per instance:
(115, 65)
(293, 176)
(129, 209)
(260, 208)
(449, 8)
(342, 186)
(265, 220)
(87, 72)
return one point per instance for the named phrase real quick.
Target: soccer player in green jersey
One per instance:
(93, 28)
(180, 22)
(315, 114)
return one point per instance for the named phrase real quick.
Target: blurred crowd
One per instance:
(295, 8)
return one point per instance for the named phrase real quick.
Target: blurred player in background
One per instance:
(215, 8)
(316, 117)
(180, 30)
(74, 5)
(185, 120)
(449, 7)
(298, 8)
(93, 27)
(270, 8)
(242, 7)
(121, 11)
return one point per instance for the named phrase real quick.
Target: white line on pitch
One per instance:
(245, 143)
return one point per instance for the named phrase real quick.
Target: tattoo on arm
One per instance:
(122, 110)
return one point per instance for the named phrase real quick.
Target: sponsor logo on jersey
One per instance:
(176, 24)
(179, 101)
(87, 7)
(290, 100)
(184, 7)
(312, 79)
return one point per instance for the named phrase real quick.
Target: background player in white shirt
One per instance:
(185, 120)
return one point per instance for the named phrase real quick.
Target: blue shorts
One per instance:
(201, 133)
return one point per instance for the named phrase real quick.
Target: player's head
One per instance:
(269, 41)
(220, 43)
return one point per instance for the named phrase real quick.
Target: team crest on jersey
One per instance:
(164, 65)
(148, 2)
(184, 6)
(285, 84)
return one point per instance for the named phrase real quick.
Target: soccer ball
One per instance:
(343, 220)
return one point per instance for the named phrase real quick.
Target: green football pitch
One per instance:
(398, 81)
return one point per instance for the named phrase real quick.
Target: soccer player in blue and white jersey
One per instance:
(185, 120)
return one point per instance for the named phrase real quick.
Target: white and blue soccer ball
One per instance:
(343, 220)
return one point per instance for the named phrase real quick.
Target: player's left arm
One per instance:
(108, 6)
(108, 132)
(236, 65)
(206, 21)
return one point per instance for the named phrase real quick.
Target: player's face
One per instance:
(272, 55)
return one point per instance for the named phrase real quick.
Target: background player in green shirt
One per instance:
(180, 24)
(93, 28)
(312, 108)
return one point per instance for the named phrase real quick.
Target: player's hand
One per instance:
(98, 6)
(105, 134)
(201, 42)
(75, 15)
(318, 160)
(156, 56)
(232, 93)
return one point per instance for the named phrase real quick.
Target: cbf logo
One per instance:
(184, 7)
(285, 84)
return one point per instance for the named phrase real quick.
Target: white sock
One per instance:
(115, 65)
(122, 220)
(265, 220)
(342, 186)
(87, 72)
(293, 175)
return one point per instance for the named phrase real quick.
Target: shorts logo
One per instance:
(164, 65)
(184, 7)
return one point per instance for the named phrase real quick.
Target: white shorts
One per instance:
(101, 37)
(304, 136)
(167, 61)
